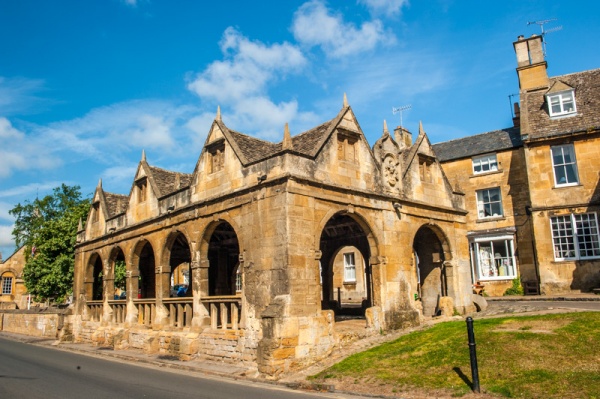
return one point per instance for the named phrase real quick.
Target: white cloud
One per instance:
(27, 189)
(18, 95)
(315, 25)
(389, 8)
(19, 151)
(240, 81)
(6, 239)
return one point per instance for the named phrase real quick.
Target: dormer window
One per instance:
(485, 163)
(562, 103)
(95, 212)
(142, 189)
(216, 156)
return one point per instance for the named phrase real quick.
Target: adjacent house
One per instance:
(532, 190)
(13, 294)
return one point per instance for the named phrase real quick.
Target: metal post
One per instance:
(473, 353)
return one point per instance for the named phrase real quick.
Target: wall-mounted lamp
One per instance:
(112, 229)
(397, 205)
(261, 178)
(170, 208)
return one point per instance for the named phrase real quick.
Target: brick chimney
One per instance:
(403, 137)
(517, 117)
(531, 66)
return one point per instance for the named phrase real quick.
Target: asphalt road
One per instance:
(31, 372)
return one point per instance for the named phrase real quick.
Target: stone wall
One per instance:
(36, 323)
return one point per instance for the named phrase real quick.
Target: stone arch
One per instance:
(94, 274)
(338, 230)
(143, 270)
(431, 249)
(220, 254)
(176, 260)
(115, 285)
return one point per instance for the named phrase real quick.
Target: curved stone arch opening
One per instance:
(430, 250)
(177, 255)
(220, 251)
(342, 230)
(143, 270)
(94, 278)
(116, 280)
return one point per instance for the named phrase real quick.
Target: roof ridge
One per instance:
(167, 170)
(478, 134)
(575, 73)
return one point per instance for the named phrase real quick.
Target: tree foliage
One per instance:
(47, 228)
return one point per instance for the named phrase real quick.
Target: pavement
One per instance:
(497, 307)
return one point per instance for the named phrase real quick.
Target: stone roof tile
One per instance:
(587, 99)
(497, 140)
(115, 203)
(169, 182)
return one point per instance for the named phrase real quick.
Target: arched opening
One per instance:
(345, 252)
(94, 277)
(179, 261)
(223, 260)
(429, 259)
(147, 276)
(119, 275)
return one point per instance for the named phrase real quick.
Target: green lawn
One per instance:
(547, 356)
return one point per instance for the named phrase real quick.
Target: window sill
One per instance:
(491, 219)
(563, 115)
(567, 185)
(499, 278)
(350, 283)
(491, 172)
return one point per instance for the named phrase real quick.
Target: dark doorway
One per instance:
(179, 260)
(341, 237)
(147, 279)
(97, 286)
(223, 260)
(429, 256)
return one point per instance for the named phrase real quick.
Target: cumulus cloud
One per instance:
(315, 25)
(20, 152)
(240, 82)
(388, 8)
(6, 240)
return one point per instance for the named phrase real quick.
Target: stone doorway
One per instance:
(95, 275)
(146, 282)
(429, 257)
(223, 260)
(345, 271)
(179, 261)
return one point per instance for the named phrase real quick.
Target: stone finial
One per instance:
(287, 138)
(421, 131)
(385, 128)
(80, 225)
(143, 155)
(99, 183)
(218, 117)
(345, 101)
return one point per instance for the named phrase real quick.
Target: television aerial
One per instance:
(541, 24)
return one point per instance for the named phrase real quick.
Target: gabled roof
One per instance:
(115, 204)
(497, 140)
(536, 121)
(167, 182)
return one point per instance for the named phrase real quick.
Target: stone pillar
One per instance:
(162, 287)
(201, 315)
(132, 293)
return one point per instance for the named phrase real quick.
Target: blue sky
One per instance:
(86, 85)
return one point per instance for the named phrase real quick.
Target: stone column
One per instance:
(162, 287)
(201, 315)
(132, 293)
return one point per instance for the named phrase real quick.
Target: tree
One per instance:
(48, 229)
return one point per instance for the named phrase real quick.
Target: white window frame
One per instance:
(492, 265)
(563, 101)
(575, 236)
(349, 267)
(565, 150)
(481, 203)
(7, 285)
(485, 164)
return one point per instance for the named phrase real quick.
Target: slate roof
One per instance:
(534, 107)
(168, 182)
(306, 143)
(497, 140)
(115, 203)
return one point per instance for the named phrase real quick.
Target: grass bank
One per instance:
(546, 356)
